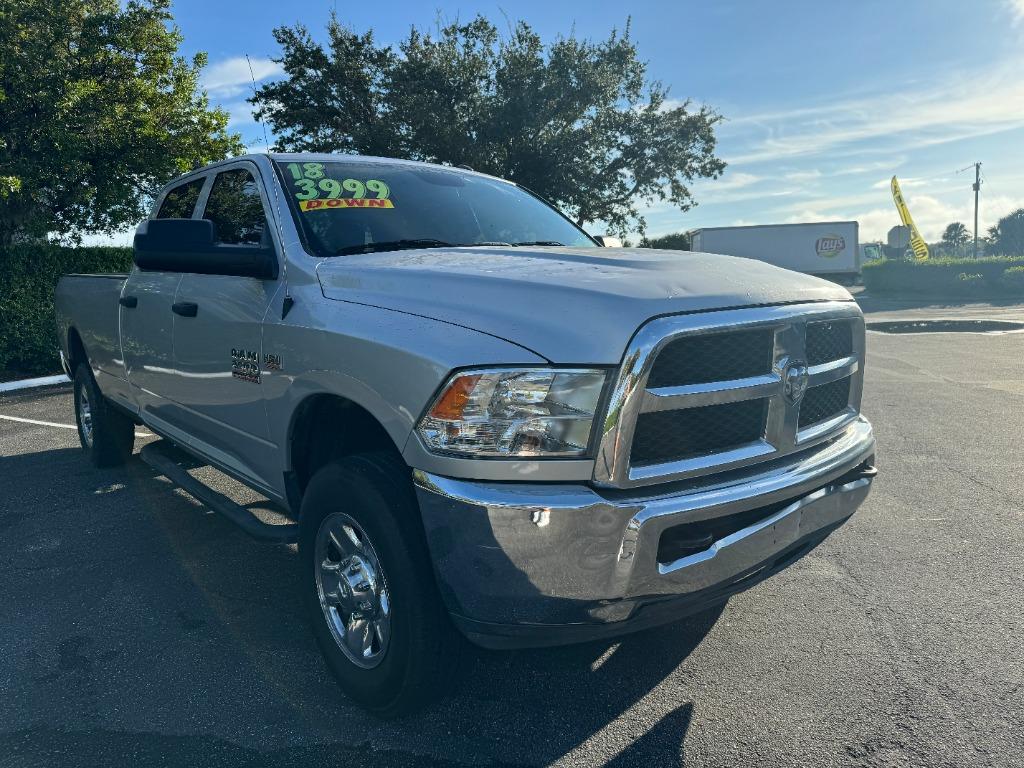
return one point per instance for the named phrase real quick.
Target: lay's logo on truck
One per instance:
(829, 246)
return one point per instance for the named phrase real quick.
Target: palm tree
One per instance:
(1007, 237)
(955, 237)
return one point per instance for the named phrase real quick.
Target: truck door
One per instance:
(218, 354)
(147, 321)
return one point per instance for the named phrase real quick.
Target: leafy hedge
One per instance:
(28, 275)
(991, 277)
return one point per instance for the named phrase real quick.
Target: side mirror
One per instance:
(608, 241)
(189, 245)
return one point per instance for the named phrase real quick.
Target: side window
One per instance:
(235, 208)
(180, 202)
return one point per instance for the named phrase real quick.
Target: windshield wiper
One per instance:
(393, 245)
(427, 242)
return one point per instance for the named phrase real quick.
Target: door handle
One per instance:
(129, 302)
(185, 308)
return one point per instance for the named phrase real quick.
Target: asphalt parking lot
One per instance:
(136, 628)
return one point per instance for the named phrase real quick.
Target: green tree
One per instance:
(677, 241)
(1007, 236)
(955, 237)
(576, 121)
(97, 110)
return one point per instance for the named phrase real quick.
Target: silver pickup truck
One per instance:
(481, 422)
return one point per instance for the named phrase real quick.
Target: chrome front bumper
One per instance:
(523, 564)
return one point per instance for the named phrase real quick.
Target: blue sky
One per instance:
(823, 101)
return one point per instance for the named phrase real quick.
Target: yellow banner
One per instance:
(341, 203)
(917, 243)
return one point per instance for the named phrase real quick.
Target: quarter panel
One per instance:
(89, 304)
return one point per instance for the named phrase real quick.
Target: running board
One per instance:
(155, 454)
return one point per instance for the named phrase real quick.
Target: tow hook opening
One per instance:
(687, 539)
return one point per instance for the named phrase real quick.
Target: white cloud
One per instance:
(803, 176)
(711, 196)
(257, 148)
(1016, 8)
(807, 214)
(882, 165)
(231, 77)
(908, 116)
(815, 174)
(908, 183)
(240, 114)
(736, 180)
(931, 215)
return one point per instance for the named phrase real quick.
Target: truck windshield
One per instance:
(367, 206)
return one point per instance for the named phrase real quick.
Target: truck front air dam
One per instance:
(522, 564)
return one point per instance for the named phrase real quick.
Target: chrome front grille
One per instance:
(705, 393)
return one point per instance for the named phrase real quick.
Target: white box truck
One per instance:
(825, 248)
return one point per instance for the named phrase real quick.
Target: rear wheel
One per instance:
(107, 435)
(369, 586)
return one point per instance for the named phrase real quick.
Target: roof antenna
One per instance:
(256, 96)
(288, 302)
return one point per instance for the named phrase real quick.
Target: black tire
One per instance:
(423, 649)
(106, 435)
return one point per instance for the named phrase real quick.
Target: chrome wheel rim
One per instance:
(85, 416)
(353, 590)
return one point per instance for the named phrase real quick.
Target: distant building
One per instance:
(898, 237)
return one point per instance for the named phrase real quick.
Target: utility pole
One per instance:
(977, 189)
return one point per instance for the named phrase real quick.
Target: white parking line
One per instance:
(40, 423)
(54, 424)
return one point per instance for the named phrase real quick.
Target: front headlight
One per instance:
(531, 412)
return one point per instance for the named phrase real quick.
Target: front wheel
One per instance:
(369, 586)
(107, 435)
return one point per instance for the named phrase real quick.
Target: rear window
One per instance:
(180, 202)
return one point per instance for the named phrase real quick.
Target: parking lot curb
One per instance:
(43, 381)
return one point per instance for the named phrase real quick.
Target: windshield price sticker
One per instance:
(342, 203)
(313, 185)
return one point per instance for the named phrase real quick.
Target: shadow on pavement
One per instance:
(194, 643)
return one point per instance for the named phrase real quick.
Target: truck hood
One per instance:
(568, 305)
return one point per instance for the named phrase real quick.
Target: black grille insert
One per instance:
(829, 340)
(664, 436)
(713, 357)
(824, 402)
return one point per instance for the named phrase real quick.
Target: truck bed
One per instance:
(89, 305)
